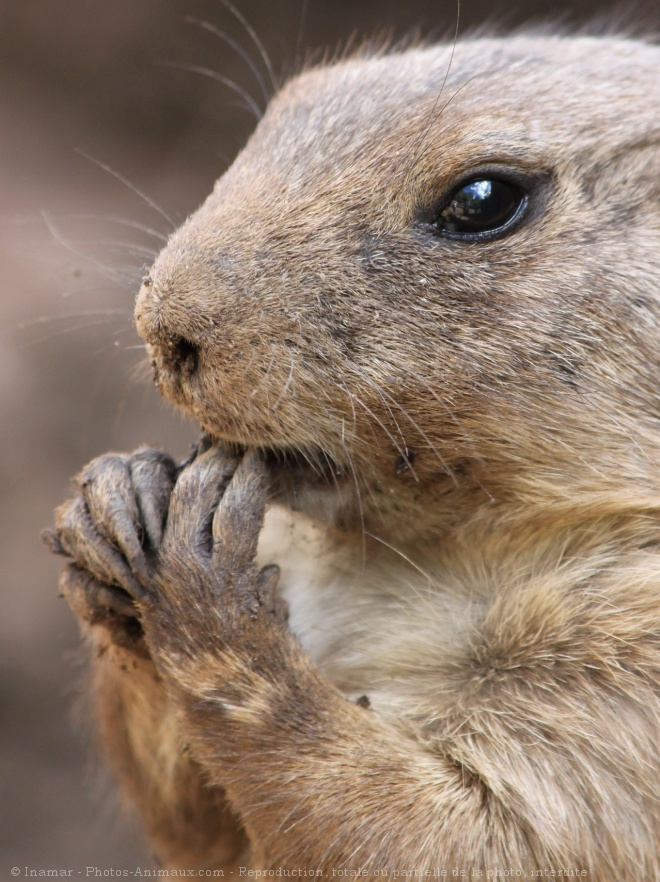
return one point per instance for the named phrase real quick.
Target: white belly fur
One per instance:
(384, 629)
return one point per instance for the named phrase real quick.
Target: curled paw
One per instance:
(112, 528)
(207, 583)
(107, 606)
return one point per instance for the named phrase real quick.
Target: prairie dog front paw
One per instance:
(112, 528)
(206, 593)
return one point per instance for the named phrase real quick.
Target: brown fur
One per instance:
(481, 563)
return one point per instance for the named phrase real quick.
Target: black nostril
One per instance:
(181, 354)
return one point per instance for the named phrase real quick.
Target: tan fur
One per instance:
(484, 564)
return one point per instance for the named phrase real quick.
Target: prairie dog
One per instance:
(419, 320)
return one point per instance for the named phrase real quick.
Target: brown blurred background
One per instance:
(88, 84)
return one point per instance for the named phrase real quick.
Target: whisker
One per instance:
(448, 412)
(114, 219)
(313, 465)
(299, 38)
(352, 368)
(381, 392)
(403, 556)
(109, 272)
(255, 39)
(138, 251)
(66, 316)
(211, 28)
(442, 88)
(289, 380)
(141, 371)
(250, 103)
(401, 450)
(354, 477)
(264, 379)
(123, 180)
(426, 438)
(119, 246)
(467, 436)
(126, 288)
(345, 389)
(61, 333)
(439, 113)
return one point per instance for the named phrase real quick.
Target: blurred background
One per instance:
(109, 135)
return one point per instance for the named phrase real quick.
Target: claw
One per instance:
(195, 497)
(50, 538)
(269, 598)
(101, 605)
(111, 500)
(79, 538)
(152, 496)
(240, 515)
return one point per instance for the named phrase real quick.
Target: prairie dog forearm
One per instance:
(186, 818)
(323, 782)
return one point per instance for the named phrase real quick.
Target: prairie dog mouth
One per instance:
(315, 465)
(289, 468)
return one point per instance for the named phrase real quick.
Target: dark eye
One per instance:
(480, 208)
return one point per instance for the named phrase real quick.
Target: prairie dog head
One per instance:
(419, 299)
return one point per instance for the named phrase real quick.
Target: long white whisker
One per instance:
(89, 290)
(113, 219)
(289, 381)
(349, 395)
(383, 394)
(315, 466)
(447, 411)
(400, 447)
(442, 88)
(251, 104)
(109, 272)
(426, 438)
(266, 375)
(141, 371)
(403, 556)
(73, 329)
(120, 246)
(401, 450)
(255, 39)
(119, 177)
(221, 35)
(356, 483)
(79, 313)
(299, 39)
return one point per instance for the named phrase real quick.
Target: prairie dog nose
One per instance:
(148, 313)
(170, 349)
(179, 355)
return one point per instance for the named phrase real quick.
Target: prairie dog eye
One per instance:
(480, 209)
